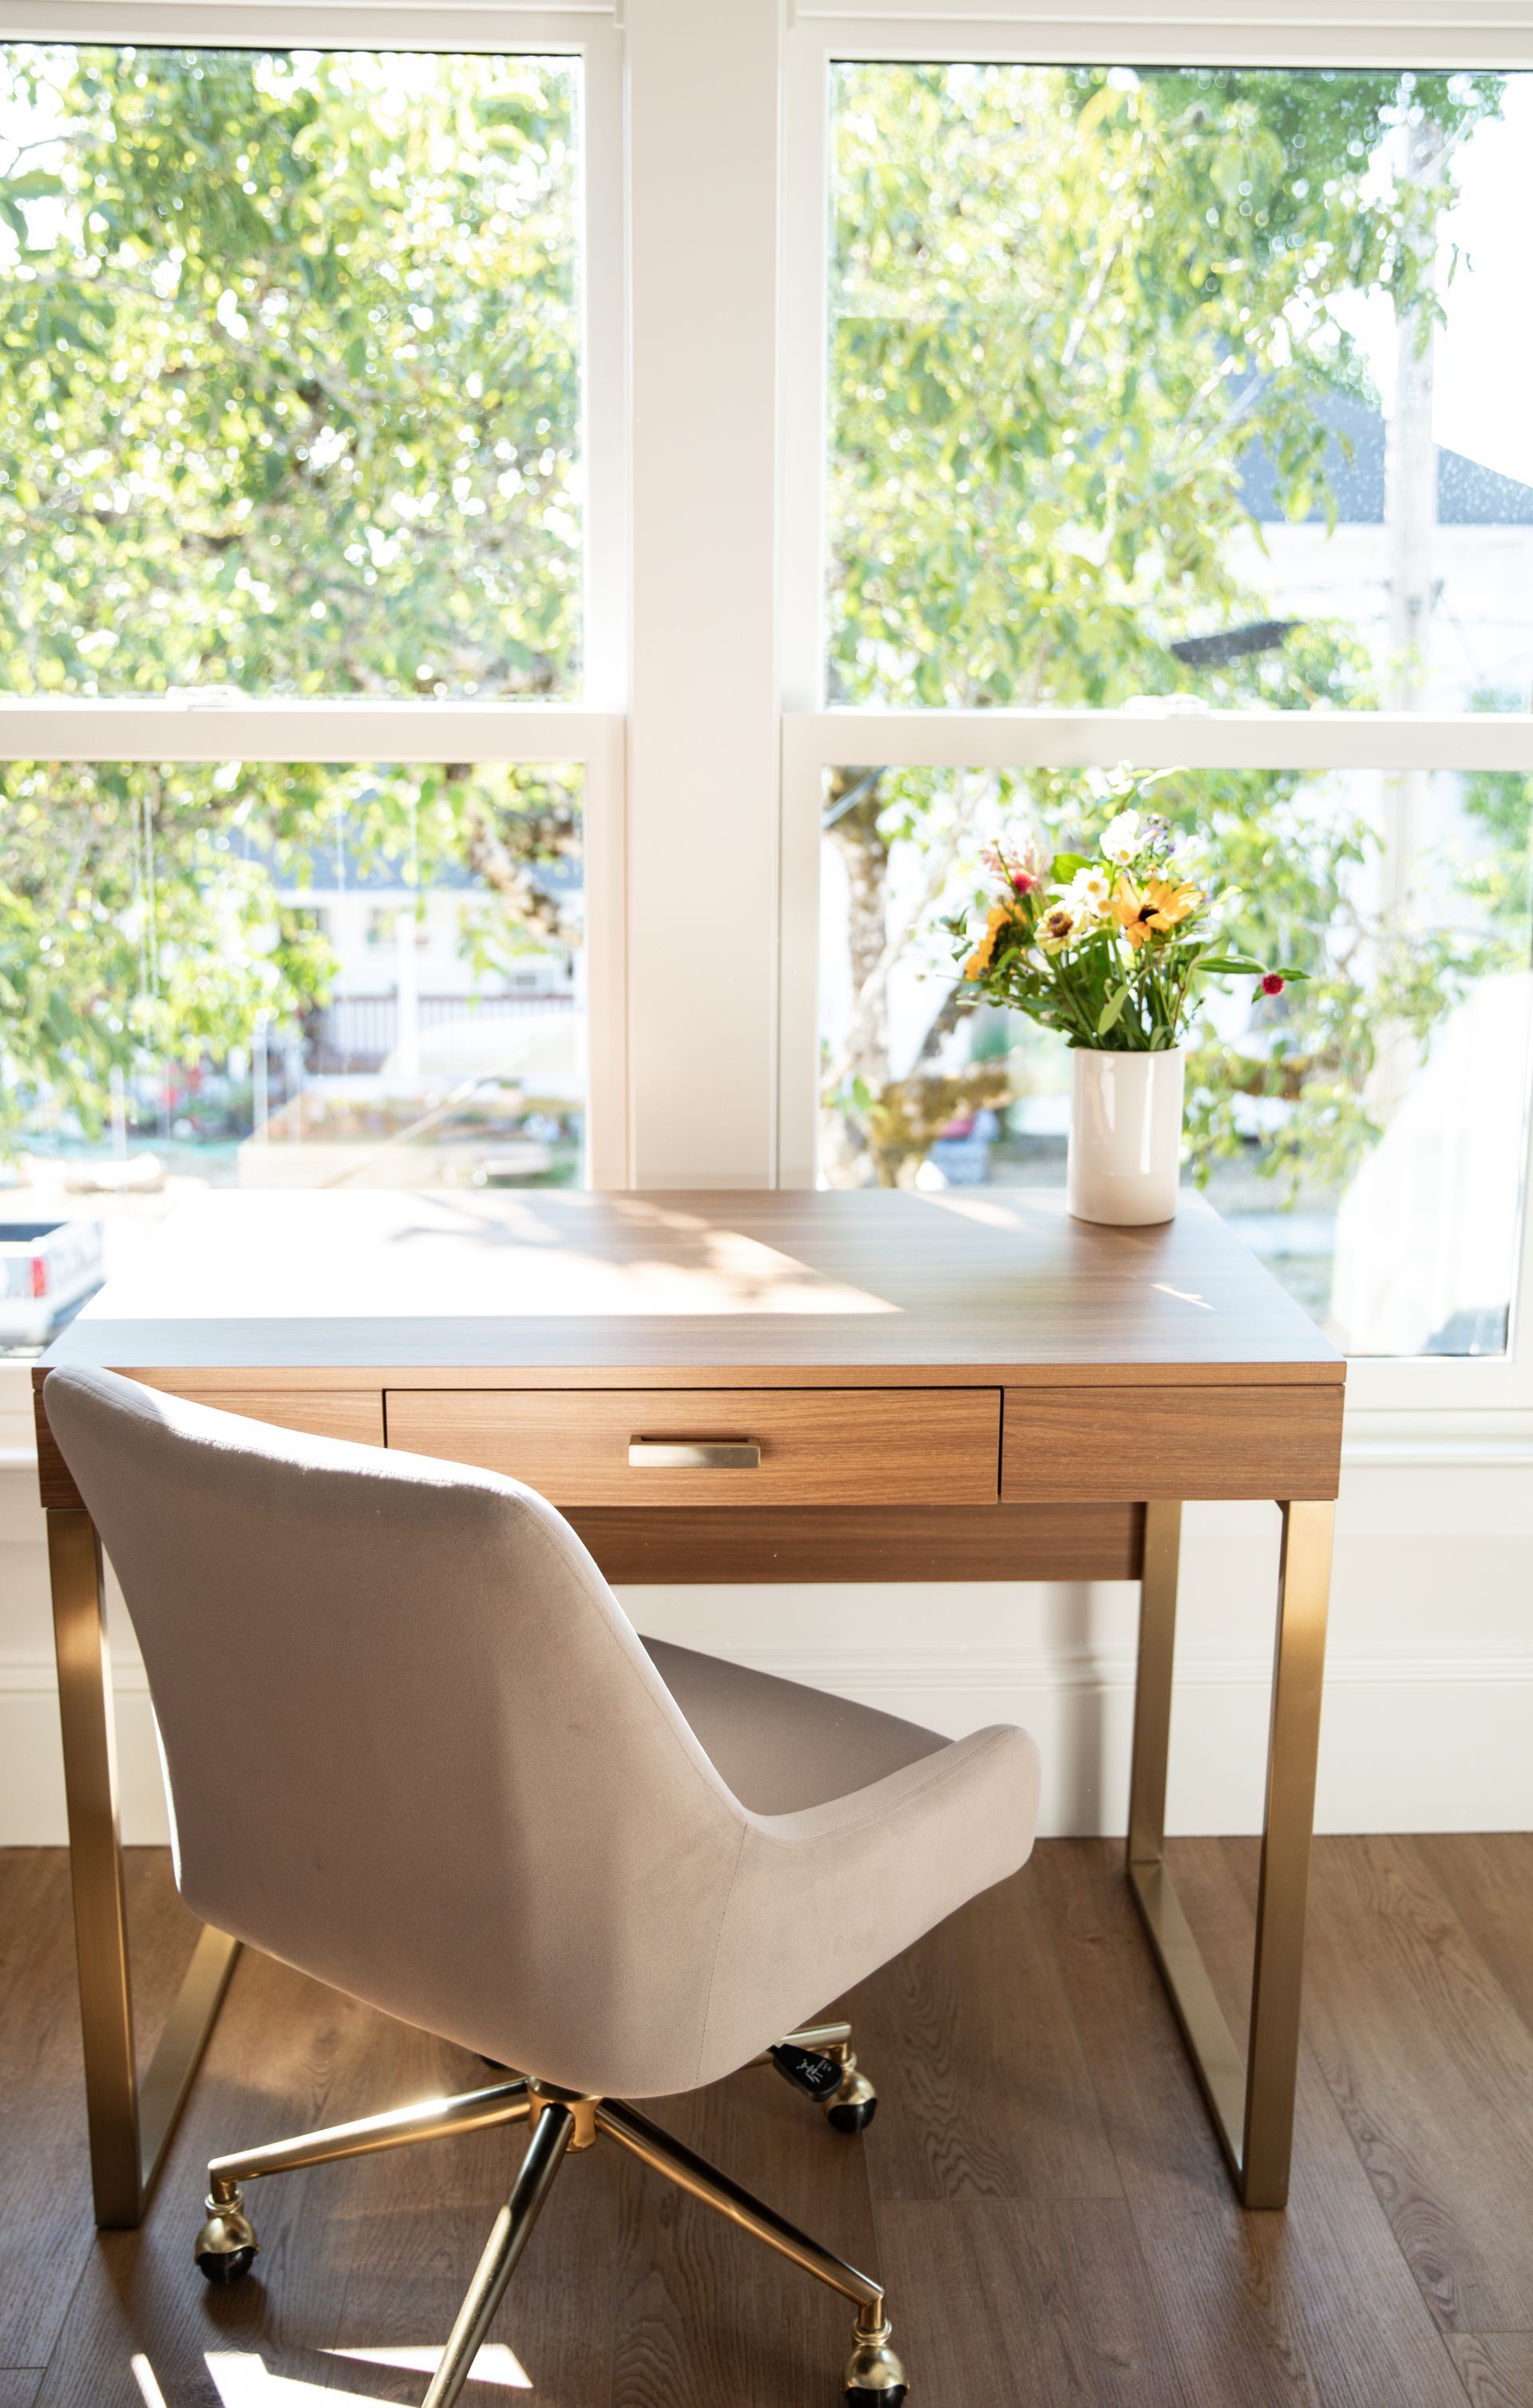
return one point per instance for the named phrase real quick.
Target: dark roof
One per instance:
(1468, 495)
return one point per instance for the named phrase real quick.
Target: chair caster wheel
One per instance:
(226, 2247)
(874, 2374)
(224, 2266)
(854, 2105)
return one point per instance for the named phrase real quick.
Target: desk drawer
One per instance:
(1132, 1445)
(811, 1446)
(357, 1415)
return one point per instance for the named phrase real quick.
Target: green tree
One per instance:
(1065, 305)
(289, 402)
(1500, 801)
(289, 397)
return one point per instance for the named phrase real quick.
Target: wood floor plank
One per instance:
(45, 2234)
(1487, 1879)
(983, 2088)
(1311, 2309)
(706, 2314)
(1495, 2368)
(287, 2054)
(1003, 2304)
(1432, 2069)
(1134, 2277)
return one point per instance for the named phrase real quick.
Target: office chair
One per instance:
(415, 1748)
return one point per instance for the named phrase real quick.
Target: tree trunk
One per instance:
(857, 837)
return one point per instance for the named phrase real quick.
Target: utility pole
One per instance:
(1410, 518)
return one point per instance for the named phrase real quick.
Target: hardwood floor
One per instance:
(1040, 2188)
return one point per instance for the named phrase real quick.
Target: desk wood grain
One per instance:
(759, 1290)
(1141, 1443)
(745, 1543)
(818, 1446)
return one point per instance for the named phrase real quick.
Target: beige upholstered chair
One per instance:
(415, 1747)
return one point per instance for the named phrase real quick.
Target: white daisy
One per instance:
(1121, 837)
(1088, 891)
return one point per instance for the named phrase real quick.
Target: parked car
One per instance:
(46, 1270)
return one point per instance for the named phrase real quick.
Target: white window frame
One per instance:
(188, 727)
(702, 731)
(1445, 1408)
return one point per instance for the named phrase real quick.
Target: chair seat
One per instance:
(781, 1746)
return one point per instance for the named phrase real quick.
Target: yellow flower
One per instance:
(980, 959)
(1156, 910)
(1056, 927)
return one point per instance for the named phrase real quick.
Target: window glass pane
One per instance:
(1367, 1129)
(290, 393)
(1199, 383)
(246, 976)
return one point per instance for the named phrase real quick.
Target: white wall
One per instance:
(1429, 1703)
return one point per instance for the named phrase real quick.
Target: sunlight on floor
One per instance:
(242, 2378)
(495, 2363)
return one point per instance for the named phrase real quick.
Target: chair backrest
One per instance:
(413, 1744)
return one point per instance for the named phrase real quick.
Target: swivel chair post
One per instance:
(508, 2236)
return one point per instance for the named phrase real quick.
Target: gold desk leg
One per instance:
(1152, 1686)
(1252, 2096)
(1304, 1591)
(129, 2130)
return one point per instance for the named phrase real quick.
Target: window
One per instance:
(377, 422)
(292, 392)
(1363, 1130)
(294, 791)
(1183, 382)
(1171, 428)
(253, 975)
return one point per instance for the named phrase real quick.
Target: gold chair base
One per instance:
(560, 2120)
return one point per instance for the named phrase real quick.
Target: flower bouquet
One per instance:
(1110, 948)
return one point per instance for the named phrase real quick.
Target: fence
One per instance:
(357, 1033)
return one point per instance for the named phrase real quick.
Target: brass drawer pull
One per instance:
(693, 1455)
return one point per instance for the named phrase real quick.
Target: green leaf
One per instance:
(1112, 1011)
(36, 185)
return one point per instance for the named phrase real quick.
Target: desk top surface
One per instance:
(539, 1289)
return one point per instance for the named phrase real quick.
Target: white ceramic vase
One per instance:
(1126, 1135)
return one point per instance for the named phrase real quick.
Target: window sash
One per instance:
(814, 741)
(175, 729)
(1177, 32)
(190, 726)
(588, 30)
(1183, 33)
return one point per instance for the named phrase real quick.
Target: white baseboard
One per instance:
(1423, 1743)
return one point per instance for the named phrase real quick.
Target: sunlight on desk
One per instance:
(299, 1255)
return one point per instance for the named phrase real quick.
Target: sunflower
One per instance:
(1154, 909)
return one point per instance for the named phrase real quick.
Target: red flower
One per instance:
(1024, 882)
(1272, 983)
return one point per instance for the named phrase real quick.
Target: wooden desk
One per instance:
(934, 1387)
